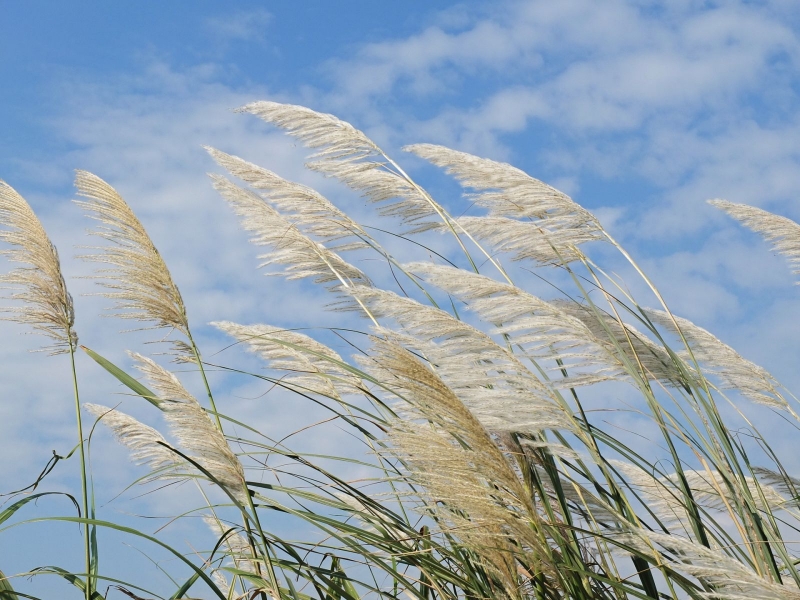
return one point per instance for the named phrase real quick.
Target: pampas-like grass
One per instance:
(507, 191)
(133, 271)
(783, 234)
(540, 328)
(496, 474)
(524, 240)
(724, 577)
(302, 206)
(734, 371)
(636, 353)
(147, 446)
(238, 548)
(301, 256)
(47, 305)
(193, 429)
(471, 484)
(309, 365)
(486, 376)
(349, 155)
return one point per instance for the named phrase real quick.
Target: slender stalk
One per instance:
(84, 488)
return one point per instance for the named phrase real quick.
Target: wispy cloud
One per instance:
(245, 25)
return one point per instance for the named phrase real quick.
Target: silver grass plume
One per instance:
(468, 480)
(524, 240)
(726, 577)
(301, 256)
(550, 218)
(147, 446)
(486, 377)
(507, 191)
(193, 429)
(540, 328)
(781, 482)
(238, 548)
(376, 523)
(347, 154)
(304, 207)
(783, 234)
(133, 271)
(638, 351)
(734, 371)
(40, 285)
(311, 367)
(664, 496)
(221, 582)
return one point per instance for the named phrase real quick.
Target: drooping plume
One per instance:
(132, 269)
(509, 194)
(147, 446)
(237, 546)
(193, 429)
(525, 240)
(540, 328)
(47, 305)
(349, 155)
(734, 371)
(301, 256)
(491, 381)
(309, 365)
(506, 190)
(726, 577)
(302, 206)
(783, 234)
(472, 488)
(634, 352)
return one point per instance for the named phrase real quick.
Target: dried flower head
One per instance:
(147, 446)
(347, 154)
(304, 207)
(309, 366)
(302, 256)
(783, 234)
(134, 272)
(47, 305)
(194, 430)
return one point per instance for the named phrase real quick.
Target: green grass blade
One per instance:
(123, 377)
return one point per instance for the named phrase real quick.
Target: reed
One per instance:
(484, 474)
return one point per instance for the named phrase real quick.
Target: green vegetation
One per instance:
(488, 476)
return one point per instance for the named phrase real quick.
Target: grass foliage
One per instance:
(484, 474)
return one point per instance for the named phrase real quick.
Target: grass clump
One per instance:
(486, 474)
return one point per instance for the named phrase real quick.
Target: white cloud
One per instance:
(243, 25)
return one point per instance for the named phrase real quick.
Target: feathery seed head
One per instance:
(47, 305)
(311, 212)
(552, 225)
(147, 446)
(193, 428)
(310, 365)
(783, 234)
(347, 154)
(506, 190)
(238, 549)
(472, 489)
(727, 578)
(301, 256)
(132, 269)
(539, 327)
(529, 240)
(628, 348)
(487, 377)
(734, 371)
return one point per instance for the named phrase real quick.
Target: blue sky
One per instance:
(641, 110)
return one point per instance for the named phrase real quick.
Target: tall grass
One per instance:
(486, 472)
